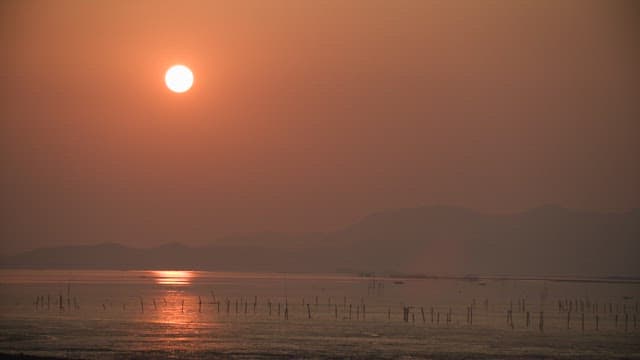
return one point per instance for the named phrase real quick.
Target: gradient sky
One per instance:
(308, 115)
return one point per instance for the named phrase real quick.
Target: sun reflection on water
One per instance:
(181, 320)
(172, 277)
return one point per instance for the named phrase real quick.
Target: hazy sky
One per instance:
(307, 115)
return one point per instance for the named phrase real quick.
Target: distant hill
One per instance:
(434, 240)
(542, 241)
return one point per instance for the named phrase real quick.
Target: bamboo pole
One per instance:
(626, 322)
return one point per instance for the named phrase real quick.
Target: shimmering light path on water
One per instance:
(116, 314)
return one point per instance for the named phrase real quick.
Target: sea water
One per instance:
(198, 314)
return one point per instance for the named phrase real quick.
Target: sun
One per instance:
(179, 78)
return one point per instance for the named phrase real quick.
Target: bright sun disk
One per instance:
(179, 78)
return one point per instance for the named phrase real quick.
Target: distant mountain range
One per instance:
(433, 240)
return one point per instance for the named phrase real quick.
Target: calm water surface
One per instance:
(195, 314)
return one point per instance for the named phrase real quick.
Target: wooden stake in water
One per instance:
(309, 311)
(141, 305)
(541, 321)
(626, 322)
(511, 319)
(422, 312)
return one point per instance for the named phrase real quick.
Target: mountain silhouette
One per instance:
(434, 240)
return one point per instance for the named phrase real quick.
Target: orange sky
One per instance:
(307, 115)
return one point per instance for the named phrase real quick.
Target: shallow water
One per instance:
(193, 314)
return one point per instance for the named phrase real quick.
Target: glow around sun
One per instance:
(179, 78)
